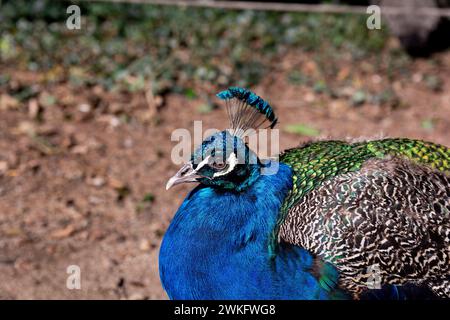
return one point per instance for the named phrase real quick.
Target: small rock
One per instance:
(94, 200)
(8, 102)
(13, 232)
(33, 108)
(376, 79)
(159, 101)
(116, 183)
(26, 127)
(81, 149)
(145, 245)
(84, 108)
(309, 97)
(417, 77)
(114, 122)
(64, 232)
(97, 181)
(73, 174)
(128, 143)
(136, 296)
(3, 167)
(47, 130)
(115, 108)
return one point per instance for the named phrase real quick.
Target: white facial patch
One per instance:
(202, 163)
(232, 162)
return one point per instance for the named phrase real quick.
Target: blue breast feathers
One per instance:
(217, 247)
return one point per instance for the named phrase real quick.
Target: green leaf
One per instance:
(149, 197)
(190, 93)
(359, 97)
(320, 86)
(302, 129)
(297, 78)
(434, 83)
(428, 124)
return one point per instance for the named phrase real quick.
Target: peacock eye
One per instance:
(218, 165)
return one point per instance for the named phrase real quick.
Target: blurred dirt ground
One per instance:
(83, 184)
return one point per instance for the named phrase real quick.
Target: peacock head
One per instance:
(224, 160)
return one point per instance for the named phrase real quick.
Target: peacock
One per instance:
(325, 220)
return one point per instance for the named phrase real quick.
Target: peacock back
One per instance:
(375, 209)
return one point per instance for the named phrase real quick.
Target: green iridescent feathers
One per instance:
(246, 110)
(432, 155)
(322, 160)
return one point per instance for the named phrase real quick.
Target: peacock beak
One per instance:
(187, 173)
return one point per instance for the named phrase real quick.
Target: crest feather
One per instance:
(246, 110)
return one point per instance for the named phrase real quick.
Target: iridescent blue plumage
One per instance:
(222, 237)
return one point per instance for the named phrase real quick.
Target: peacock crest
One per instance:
(247, 111)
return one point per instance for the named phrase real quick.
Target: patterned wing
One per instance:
(373, 207)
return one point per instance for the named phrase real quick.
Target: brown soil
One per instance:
(73, 175)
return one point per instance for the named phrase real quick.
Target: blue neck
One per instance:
(217, 247)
